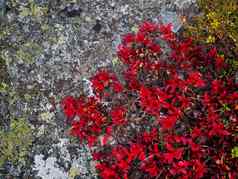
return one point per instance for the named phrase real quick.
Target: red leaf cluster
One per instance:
(174, 115)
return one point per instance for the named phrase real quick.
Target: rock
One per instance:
(116, 42)
(11, 170)
(171, 17)
(183, 4)
(48, 168)
(97, 27)
(2, 8)
(87, 87)
(65, 47)
(77, 177)
(72, 10)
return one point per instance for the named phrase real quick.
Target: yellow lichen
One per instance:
(15, 143)
(73, 172)
(28, 52)
(32, 10)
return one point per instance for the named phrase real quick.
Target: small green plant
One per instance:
(15, 143)
(234, 152)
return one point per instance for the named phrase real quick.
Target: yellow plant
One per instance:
(15, 143)
(218, 26)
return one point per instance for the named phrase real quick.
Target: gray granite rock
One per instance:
(51, 48)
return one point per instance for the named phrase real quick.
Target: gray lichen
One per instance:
(49, 49)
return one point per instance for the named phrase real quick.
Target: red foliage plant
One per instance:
(173, 115)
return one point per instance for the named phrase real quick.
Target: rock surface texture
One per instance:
(49, 49)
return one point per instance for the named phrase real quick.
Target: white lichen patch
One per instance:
(47, 169)
(88, 89)
(47, 116)
(50, 169)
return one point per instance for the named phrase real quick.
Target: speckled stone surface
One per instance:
(49, 49)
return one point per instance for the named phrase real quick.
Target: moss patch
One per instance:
(15, 143)
(28, 52)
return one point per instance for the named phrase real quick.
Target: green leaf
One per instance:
(234, 152)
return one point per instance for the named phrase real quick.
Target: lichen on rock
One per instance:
(15, 143)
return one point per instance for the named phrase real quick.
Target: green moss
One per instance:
(4, 32)
(15, 143)
(33, 10)
(3, 87)
(28, 52)
(28, 8)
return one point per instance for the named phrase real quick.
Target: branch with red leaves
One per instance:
(173, 115)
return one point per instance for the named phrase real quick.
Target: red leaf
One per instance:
(118, 115)
(199, 169)
(148, 27)
(168, 122)
(69, 106)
